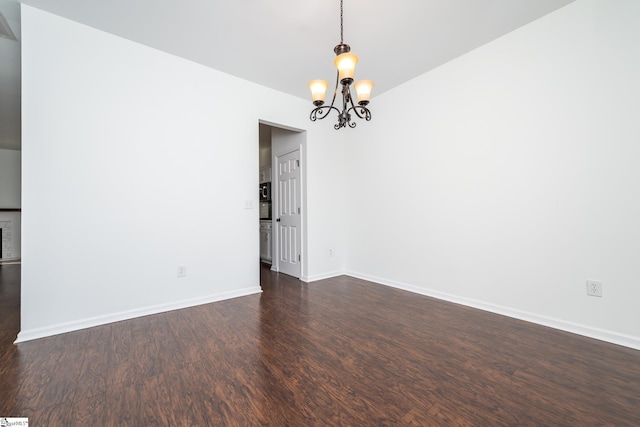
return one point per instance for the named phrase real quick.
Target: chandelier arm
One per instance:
(364, 112)
(353, 107)
(360, 111)
(321, 112)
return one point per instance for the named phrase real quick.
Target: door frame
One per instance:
(284, 140)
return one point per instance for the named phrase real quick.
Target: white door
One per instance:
(288, 214)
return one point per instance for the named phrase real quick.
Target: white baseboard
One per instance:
(587, 331)
(323, 276)
(32, 334)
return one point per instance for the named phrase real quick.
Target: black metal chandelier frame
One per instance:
(344, 117)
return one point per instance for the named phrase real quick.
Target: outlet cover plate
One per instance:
(594, 288)
(182, 271)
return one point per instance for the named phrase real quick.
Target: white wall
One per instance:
(135, 162)
(504, 179)
(10, 198)
(326, 204)
(508, 177)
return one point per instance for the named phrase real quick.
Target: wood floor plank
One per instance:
(95, 367)
(341, 352)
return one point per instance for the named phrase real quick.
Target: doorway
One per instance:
(288, 189)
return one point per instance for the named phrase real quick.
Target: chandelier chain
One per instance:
(341, 25)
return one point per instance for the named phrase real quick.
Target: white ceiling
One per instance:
(283, 44)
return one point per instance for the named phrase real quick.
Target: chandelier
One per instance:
(345, 62)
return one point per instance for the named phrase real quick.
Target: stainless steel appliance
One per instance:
(265, 192)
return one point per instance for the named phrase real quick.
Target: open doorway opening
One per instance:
(282, 186)
(265, 202)
(10, 205)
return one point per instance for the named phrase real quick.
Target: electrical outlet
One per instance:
(182, 271)
(594, 288)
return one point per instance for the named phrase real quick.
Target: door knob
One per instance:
(278, 220)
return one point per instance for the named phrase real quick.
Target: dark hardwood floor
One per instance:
(339, 352)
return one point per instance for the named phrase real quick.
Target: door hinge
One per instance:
(298, 163)
(298, 210)
(299, 257)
